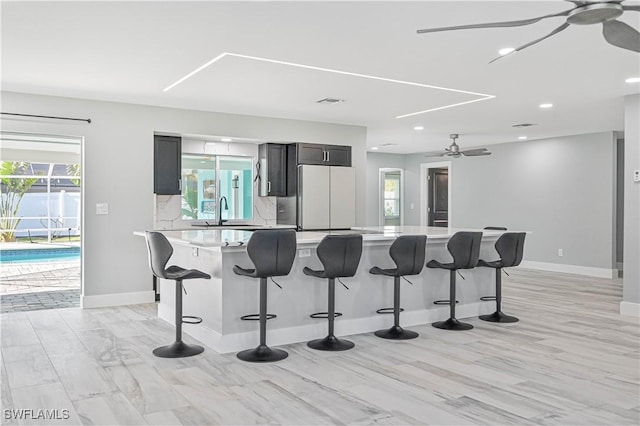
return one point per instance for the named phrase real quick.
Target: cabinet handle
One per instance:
(268, 186)
(180, 185)
(324, 156)
(328, 153)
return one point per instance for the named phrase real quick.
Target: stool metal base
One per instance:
(452, 324)
(331, 343)
(396, 333)
(498, 316)
(262, 353)
(178, 350)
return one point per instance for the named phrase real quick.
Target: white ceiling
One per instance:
(131, 51)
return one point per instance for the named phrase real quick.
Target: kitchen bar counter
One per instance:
(221, 300)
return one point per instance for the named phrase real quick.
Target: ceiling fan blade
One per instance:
(477, 151)
(636, 8)
(531, 43)
(474, 153)
(436, 154)
(621, 35)
(495, 24)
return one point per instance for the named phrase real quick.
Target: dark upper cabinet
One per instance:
(273, 169)
(324, 155)
(167, 165)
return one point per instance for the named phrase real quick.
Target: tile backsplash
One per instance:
(168, 212)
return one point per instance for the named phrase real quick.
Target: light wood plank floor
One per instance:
(571, 360)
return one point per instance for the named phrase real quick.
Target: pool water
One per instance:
(40, 255)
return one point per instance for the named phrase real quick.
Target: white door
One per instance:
(314, 197)
(343, 197)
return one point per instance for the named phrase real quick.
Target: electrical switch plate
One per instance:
(102, 208)
(304, 253)
(560, 252)
(636, 175)
(194, 251)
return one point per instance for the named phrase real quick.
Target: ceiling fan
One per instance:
(615, 32)
(454, 150)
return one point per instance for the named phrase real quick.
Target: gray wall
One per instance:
(118, 157)
(620, 202)
(631, 280)
(560, 189)
(375, 162)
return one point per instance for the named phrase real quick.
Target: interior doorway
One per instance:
(391, 209)
(40, 221)
(435, 194)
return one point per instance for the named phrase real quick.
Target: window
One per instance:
(206, 179)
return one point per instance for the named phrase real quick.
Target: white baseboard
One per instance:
(570, 269)
(117, 299)
(630, 308)
(343, 327)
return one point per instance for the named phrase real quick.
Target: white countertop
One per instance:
(233, 237)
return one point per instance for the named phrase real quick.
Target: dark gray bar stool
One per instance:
(340, 256)
(464, 247)
(272, 253)
(160, 250)
(408, 253)
(510, 247)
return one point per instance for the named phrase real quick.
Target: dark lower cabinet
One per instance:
(167, 165)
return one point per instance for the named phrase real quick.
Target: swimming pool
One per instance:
(40, 255)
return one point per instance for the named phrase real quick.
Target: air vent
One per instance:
(524, 125)
(330, 101)
(388, 144)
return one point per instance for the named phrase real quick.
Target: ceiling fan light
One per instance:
(506, 51)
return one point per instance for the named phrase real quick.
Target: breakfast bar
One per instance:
(223, 299)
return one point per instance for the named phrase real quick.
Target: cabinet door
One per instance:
(167, 164)
(310, 153)
(276, 170)
(273, 172)
(338, 155)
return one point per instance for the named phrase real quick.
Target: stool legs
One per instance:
(452, 323)
(498, 315)
(178, 349)
(331, 342)
(262, 353)
(396, 332)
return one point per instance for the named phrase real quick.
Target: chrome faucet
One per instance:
(226, 207)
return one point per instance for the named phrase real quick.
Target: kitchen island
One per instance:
(223, 299)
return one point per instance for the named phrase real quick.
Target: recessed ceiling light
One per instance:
(546, 105)
(374, 148)
(522, 137)
(633, 80)
(418, 128)
(226, 140)
(506, 51)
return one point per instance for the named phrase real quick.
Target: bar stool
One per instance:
(160, 250)
(272, 253)
(340, 256)
(464, 247)
(510, 247)
(408, 253)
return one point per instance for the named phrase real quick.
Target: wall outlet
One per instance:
(411, 206)
(102, 208)
(194, 251)
(560, 252)
(304, 253)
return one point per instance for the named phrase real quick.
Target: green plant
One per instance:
(12, 191)
(74, 170)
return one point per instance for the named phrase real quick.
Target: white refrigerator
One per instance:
(326, 197)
